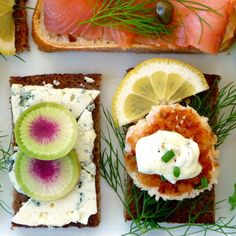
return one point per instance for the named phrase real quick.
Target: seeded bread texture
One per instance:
(205, 202)
(51, 42)
(21, 28)
(68, 81)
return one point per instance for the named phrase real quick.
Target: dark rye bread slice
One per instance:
(21, 27)
(205, 202)
(68, 81)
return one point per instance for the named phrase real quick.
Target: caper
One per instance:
(165, 11)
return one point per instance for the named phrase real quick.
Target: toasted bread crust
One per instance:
(207, 198)
(50, 43)
(21, 27)
(68, 81)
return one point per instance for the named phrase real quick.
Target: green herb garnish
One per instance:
(139, 17)
(176, 171)
(168, 156)
(224, 108)
(4, 156)
(163, 178)
(146, 218)
(17, 56)
(232, 199)
(204, 182)
(128, 15)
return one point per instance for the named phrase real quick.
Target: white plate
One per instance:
(112, 66)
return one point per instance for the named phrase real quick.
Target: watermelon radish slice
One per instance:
(47, 180)
(46, 131)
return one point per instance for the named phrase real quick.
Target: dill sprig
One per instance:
(4, 156)
(224, 108)
(139, 17)
(195, 7)
(17, 56)
(129, 16)
(144, 211)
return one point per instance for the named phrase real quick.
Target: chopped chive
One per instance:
(168, 156)
(204, 182)
(163, 178)
(176, 171)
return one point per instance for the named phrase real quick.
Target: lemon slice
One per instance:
(153, 82)
(7, 28)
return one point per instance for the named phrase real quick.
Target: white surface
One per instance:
(113, 67)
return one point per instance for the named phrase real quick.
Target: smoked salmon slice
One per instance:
(204, 29)
(63, 17)
(193, 27)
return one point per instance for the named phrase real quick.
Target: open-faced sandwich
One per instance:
(55, 165)
(135, 25)
(171, 154)
(13, 27)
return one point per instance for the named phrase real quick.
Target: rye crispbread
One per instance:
(50, 42)
(205, 202)
(68, 81)
(21, 27)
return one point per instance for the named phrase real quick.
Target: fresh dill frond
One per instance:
(20, 58)
(17, 6)
(3, 57)
(4, 156)
(195, 7)
(144, 211)
(16, 55)
(222, 118)
(139, 17)
(226, 105)
(5, 207)
(128, 15)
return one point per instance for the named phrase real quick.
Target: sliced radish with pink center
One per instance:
(43, 130)
(47, 180)
(45, 171)
(46, 130)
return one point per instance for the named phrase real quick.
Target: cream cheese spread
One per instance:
(81, 202)
(151, 149)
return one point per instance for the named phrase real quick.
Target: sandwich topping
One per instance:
(170, 151)
(46, 130)
(61, 191)
(153, 82)
(169, 24)
(164, 151)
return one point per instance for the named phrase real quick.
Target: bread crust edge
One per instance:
(44, 44)
(95, 219)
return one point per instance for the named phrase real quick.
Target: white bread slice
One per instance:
(51, 42)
